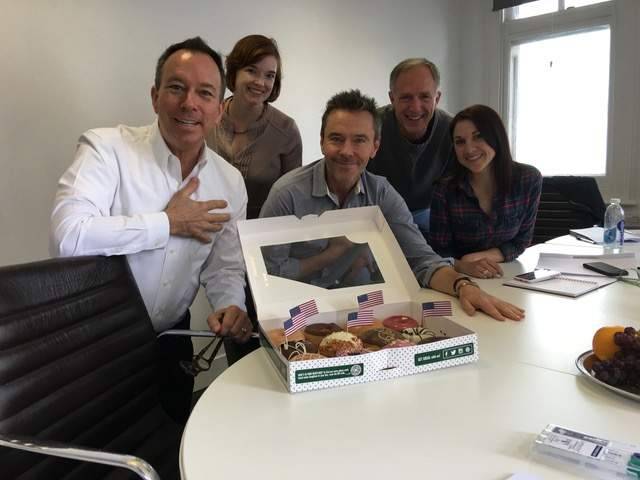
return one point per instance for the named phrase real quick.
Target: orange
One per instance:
(603, 345)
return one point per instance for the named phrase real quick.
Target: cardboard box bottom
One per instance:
(381, 365)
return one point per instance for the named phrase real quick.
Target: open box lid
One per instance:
(270, 244)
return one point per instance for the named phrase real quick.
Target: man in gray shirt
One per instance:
(350, 136)
(416, 150)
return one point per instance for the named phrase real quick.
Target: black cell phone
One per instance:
(605, 269)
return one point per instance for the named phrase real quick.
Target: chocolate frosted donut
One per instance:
(417, 334)
(317, 331)
(291, 349)
(399, 322)
(322, 329)
(379, 337)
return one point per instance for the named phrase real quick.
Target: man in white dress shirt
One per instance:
(158, 195)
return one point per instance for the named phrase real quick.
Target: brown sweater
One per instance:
(274, 147)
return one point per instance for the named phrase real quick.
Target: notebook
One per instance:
(572, 264)
(564, 285)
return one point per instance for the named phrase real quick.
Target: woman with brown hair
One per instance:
(484, 213)
(255, 137)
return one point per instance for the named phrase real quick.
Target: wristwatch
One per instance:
(460, 282)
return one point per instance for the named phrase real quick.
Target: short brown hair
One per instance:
(249, 50)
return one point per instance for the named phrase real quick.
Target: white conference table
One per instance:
(474, 421)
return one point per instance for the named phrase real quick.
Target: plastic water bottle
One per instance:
(614, 223)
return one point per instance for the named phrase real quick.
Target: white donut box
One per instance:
(274, 296)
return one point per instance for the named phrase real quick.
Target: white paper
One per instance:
(568, 285)
(596, 234)
(572, 264)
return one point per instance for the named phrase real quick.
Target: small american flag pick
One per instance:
(291, 327)
(370, 300)
(299, 315)
(437, 309)
(359, 318)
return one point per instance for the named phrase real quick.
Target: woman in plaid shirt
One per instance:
(484, 212)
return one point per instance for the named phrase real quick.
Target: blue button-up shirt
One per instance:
(304, 191)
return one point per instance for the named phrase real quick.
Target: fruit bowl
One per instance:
(584, 363)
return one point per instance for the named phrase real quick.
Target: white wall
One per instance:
(67, 66)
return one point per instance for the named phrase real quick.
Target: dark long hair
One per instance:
(490, 126)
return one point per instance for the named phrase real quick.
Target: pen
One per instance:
(586, 239)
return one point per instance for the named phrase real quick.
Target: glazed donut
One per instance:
(360, 329)
(276, 336)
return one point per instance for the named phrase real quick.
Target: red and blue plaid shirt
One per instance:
(459, 226)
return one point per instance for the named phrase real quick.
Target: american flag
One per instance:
(291, 326)
(303, 311)
(370, 300)
(436, 309)
(359, 318)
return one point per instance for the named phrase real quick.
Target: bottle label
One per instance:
(610, 235)
(621, 231)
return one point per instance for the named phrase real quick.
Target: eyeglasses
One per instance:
(200, 361)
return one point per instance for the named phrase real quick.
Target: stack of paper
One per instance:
(572, 264)
(596, 235)
(576, 280)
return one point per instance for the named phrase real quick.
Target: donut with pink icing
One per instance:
(399, 322)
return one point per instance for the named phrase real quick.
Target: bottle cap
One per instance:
(615, 200)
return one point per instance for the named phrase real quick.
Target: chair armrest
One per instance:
(137, 465)
(195, 333)
(188, 333)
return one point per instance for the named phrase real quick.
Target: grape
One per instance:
(623, 370)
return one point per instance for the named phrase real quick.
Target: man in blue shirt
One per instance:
(349, 138)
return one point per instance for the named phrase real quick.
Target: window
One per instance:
(540, 7)
(558, 86)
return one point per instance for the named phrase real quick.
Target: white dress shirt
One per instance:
(111, 201)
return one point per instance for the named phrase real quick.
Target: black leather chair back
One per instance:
(77, 365)
(567, 202)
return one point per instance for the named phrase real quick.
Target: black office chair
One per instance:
(567, 203)
(77, 367)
